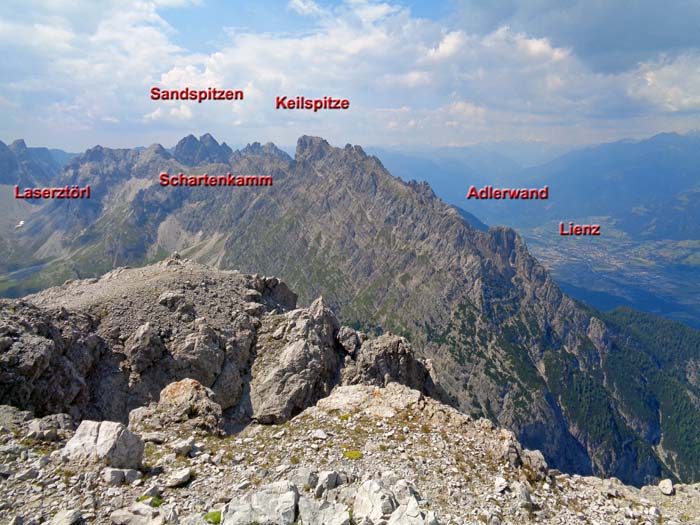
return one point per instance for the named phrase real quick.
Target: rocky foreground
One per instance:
(180, 394)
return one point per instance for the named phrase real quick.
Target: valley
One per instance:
(391, 257)
(659, 277)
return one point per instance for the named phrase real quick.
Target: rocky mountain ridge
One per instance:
(100, 348)
(242, 408)
(20, 164)
(505, 342)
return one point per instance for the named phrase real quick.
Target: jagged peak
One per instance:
(188, 138)
(208, 140)
(253, 148)
(269, 148)
(312, 148)
(355, 149)
(157, 149)
(316, 148)
(226, 149)
(18, 145)
(94, 154)
(192, 151)
(421, 186)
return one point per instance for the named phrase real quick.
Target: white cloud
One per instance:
(407, 78)
(39, 37)
(412, 79)
(673, 85)
(156, 114)
(305, 7)
(182, 112)
(449, 46)
(176, 3)
(466, 110)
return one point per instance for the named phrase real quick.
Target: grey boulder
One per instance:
(185, 402)
(67, 517)
(273, 504)
(372, 502)
(106, 442)
(407, 514)
(323, 513)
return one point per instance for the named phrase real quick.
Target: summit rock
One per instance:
(192, 151)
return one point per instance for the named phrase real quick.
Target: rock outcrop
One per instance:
(183, 342)
(388, 358)
(297, 364)
(273, 504)
(186, 403)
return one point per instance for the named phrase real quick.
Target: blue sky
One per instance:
(204, 21)
(75, 73)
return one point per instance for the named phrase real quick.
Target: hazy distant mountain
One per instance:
(504, 341)
(27, 167)
(632, 182)
(644, 194)
(529, 153)
(447, 169)
(616, 179)
(20, 164)
(676, 218)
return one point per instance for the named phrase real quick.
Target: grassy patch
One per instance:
(153, 501)
(352, 454)
(213, 517)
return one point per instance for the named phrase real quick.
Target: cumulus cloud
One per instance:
(607, 36)
(409, 79)
(448, 46)
(671, 84)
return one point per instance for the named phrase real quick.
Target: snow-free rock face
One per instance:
(299, 365)
(386, 359)
(373, 503)
(326, 513)
(183, 342)
(246, 409)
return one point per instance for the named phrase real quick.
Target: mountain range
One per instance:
(644, 195)
(604, 393)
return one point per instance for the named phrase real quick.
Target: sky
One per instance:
(76, 73)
